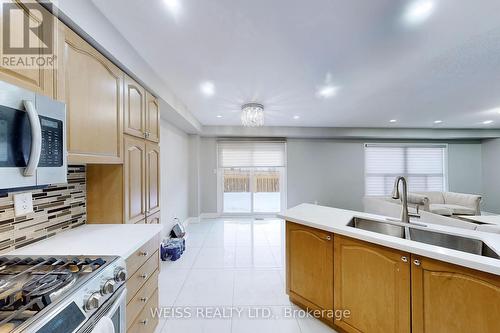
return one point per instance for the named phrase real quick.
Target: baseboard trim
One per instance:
(191, 219)
(209, 215)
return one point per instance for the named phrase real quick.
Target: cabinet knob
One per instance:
(416, 262)
(144, 322)
(328, 238)
(144, 276)
(144, 299)
(404, 259)
(143, 253)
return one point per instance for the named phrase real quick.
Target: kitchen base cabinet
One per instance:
(309, 275)
(142, 287)
(451, 299)
(373, 283)
(383, 290)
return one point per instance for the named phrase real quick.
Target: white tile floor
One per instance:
(231, 264)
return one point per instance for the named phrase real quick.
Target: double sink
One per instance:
(420, 233)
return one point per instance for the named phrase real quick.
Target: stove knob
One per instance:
(108, 287)
(121, 275)
(93, 302)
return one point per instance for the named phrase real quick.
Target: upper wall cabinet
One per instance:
(93, 92)
(40, 79)
(135, 109)
(152, 118)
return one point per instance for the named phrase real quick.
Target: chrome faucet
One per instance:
(405, 216)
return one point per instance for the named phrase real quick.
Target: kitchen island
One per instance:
(387, 283)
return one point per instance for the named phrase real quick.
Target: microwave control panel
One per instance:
(52, 142)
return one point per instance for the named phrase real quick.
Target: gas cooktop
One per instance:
(31, 288)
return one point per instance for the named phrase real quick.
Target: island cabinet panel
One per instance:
(93, 93)
(310, 267)
(451, 299)
(373, 283)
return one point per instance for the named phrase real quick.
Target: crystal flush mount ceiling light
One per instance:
(252, 115)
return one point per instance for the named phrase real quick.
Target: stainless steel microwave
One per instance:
(32, 139)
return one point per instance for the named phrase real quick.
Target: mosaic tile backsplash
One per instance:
(56, 208)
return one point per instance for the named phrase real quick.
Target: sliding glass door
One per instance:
(251, 177)
(252, 190)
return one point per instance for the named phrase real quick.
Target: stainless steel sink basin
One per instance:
(386, 228)
(423, 235)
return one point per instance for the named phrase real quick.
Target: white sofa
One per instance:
(387, 206)
(447, 203)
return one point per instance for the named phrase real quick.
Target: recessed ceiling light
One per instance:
(418, 11)
(438, 121)
(218, 116)
(327, 91)
(174, 6)
(296, 117)
(393, 121)
(207, 88)
(488, 122)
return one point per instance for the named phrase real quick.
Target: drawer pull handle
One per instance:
(144, 276)
(143, 253)
(144, 299)
(144, 322)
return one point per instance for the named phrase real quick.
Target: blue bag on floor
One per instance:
(172, 249)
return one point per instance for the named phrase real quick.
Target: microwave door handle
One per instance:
(36, 138)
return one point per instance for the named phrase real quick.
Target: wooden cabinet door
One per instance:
(451, 299)
(309, 266)
(373, 283)
(152, 178)
(152, 118)
(154, 219)
(93, 90)
(135, 179)
(135, 109)
(35, 78)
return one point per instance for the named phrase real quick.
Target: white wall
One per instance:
(465, 168)
(174, 149)
(325, 171)
(491, 175)
(208, 176)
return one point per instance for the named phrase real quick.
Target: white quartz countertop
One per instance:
(335, 220)
(94, 240)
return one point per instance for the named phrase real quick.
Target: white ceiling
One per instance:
(279, 52)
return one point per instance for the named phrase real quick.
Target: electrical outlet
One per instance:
(23, 204)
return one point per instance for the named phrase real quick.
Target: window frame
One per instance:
(366, 145)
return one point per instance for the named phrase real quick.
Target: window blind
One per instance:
(422, 165)
(240, 154)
